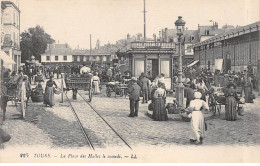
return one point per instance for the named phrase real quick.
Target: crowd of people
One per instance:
(198, 85)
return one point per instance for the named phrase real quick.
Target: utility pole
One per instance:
(144, 23)
(90, 49)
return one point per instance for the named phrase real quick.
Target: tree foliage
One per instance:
(34, 43)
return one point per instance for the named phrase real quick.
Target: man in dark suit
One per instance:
(134, 96)
(144, 85)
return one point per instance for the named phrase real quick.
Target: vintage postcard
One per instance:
(130, 81)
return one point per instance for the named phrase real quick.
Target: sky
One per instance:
(72, 21)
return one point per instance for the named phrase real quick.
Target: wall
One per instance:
(238, 50)
(11, 23)
(188, 51)
(105, 58)
(52, 58)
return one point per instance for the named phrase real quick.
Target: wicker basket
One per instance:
(185, 117)
(37, 98)
(57, 91)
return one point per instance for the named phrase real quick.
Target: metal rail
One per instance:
(105, 121)
(80, 124)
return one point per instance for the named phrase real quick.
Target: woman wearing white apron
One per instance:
(197, 119)
(95, 81)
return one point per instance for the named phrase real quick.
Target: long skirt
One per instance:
(198, 125)
(159, 110)
(96, 87)
(49, 96)
(231, 108)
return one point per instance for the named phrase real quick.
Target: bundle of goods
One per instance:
(173, 108)
(37, 94)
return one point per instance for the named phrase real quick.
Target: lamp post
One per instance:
(180, 25)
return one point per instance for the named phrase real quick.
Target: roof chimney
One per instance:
(166, 34)
(215, 26)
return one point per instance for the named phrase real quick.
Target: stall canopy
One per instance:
(218, 64)
(6, 58)
(193, 63)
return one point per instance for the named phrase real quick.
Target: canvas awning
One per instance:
(218, 64)
(193, 63)
(7, 59)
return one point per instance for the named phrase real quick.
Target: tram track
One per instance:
(106, 122)
(96, 130)
(80, 124)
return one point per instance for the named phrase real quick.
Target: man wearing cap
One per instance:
(134, 96)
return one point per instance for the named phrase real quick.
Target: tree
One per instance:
(34, 42)
(26, 46)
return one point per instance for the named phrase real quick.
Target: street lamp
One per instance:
(180, 25)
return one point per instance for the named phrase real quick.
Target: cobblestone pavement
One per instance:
(144, 131)
(56, 127)
(101, 135)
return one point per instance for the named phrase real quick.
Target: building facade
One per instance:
(10, 39)
(63, 54)
(88, 57)
(191, 37)
(151, 58)
(56, 54)
(237, 48)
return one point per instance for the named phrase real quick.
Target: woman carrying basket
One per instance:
(197, 119)
(49, 92)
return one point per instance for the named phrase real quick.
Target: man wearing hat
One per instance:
(134, 96)
(144, 82)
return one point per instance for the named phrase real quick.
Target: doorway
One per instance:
(152, 68)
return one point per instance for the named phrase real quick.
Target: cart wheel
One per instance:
(108, 93)
(90, 94)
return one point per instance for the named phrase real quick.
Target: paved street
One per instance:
(57, 127)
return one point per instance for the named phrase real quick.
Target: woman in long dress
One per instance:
(159, 110)
(49, 93)
(197, 119)
(231, 103)
(27, 88)
(95, 81)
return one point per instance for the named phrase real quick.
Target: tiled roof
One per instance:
(58, 49)
(9, 2)
(232, 33)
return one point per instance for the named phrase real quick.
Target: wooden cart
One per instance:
(117, 87)
(77, 82)
(13, 93)
(215, 102)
